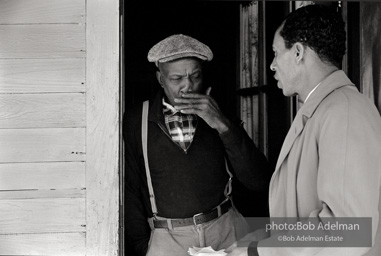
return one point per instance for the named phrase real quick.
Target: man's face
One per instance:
(284, 66)
(180, 76)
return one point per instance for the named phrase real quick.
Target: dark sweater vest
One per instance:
(186, 183)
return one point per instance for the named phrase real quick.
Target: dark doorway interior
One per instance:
(214, 23)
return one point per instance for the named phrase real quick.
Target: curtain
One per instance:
(249, 68)
(299, 4)
(370, 74)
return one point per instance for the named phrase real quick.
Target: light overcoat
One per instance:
(330, 163)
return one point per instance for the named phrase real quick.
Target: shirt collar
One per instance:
(312, 91)
(334, 81)
(168, 108)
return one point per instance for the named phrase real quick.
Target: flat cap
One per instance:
(179, 46)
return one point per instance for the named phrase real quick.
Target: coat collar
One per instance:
(334, 81)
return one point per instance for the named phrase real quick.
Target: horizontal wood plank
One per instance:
(42, 11)
(42, 176)
(64, 244)
(41, 145)
(50, 110)
(42, 215)
(42, 41)
(43, 193)
(42, 75)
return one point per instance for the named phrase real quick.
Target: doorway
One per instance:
(217, 24)
(214, 23)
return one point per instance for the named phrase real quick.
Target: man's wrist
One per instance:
(252, 250)
(224, 127)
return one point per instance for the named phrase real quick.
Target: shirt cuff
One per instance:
(229, 136)
(252, 250)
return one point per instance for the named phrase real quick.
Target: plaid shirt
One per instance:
(180, 126)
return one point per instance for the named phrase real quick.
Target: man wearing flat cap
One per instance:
(182, 153)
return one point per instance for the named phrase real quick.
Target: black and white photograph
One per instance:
(204, 127)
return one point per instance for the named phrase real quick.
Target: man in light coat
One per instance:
(330, 162)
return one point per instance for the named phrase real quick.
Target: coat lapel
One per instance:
(294, 131)
(331, 83)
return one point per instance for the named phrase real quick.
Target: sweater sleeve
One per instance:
(249, 165)
(252, 250)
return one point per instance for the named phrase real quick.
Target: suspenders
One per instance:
(144, 141)
(228, 188)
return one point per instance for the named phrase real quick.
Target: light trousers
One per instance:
(219, 234)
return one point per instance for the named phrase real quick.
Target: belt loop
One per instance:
(150, 222)
(219, 210)
(169, 222)
(194, 218)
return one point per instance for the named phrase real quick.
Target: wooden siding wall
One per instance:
(102, 131)
(52, 199)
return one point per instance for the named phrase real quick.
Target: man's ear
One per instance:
(159, 78)
(299, 52)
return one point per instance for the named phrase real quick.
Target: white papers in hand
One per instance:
(205, 251)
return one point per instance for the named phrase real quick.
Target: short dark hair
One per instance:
(319, 27)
